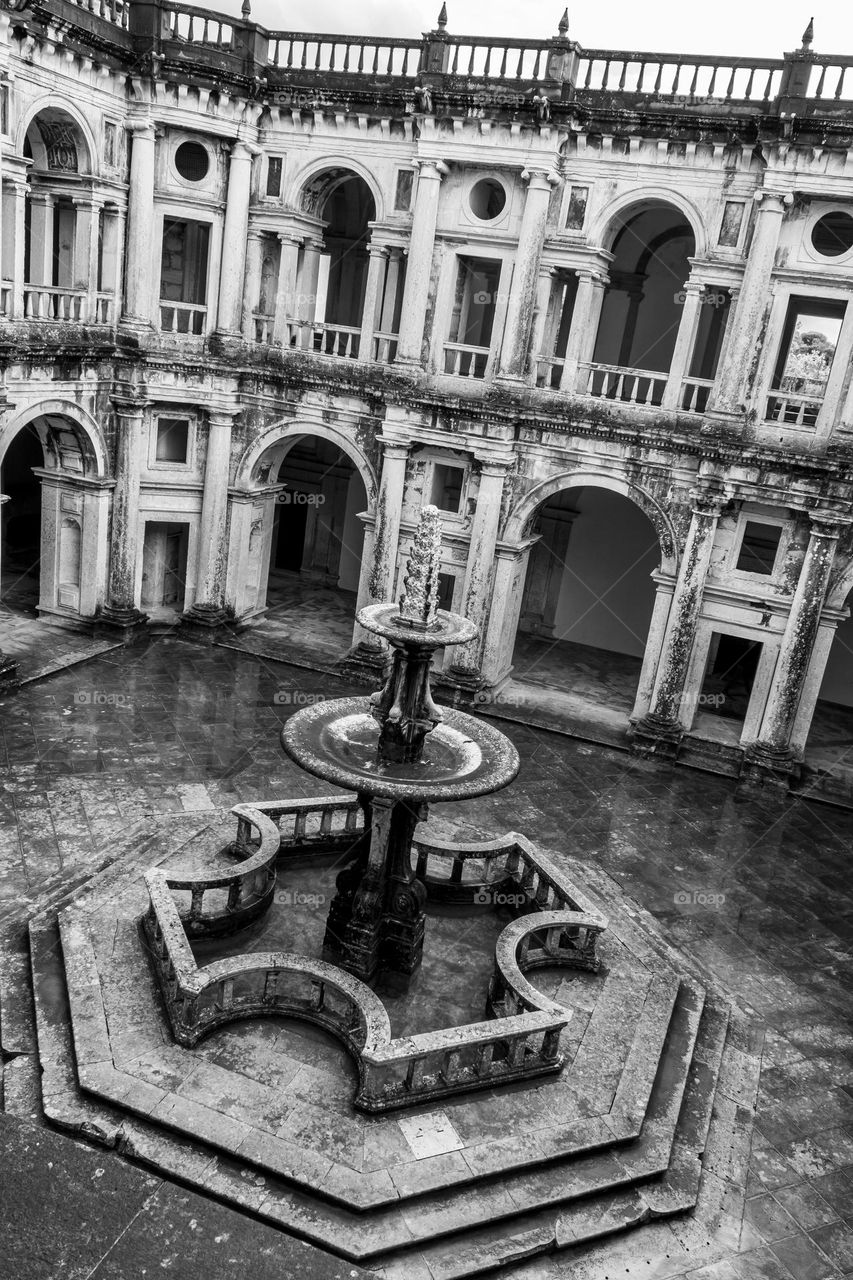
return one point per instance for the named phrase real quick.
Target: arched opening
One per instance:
(21, 521)
(641, 309)
(41, 523)
(70, 244)
(830, 735)
(588, 597)
(316, 545)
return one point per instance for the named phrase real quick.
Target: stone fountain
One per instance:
(398, 751)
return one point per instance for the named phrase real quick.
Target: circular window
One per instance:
(192, 161)
(487, 199)
(832, 234)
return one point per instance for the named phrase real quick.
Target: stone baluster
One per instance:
(771, 753)
(234, 234)
(736, 376)
(140, 225)
(419, 269)
(685, 339)
(522, 298)
(662, 728)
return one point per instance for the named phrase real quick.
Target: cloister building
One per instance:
(265, 294)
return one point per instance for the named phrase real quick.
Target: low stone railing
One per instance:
(521, 1036)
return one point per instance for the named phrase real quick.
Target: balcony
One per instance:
(50, 302)
(6, 292)
(462, 361)
(631, 386)
(182, 317)
(793, 409)
(695, 394)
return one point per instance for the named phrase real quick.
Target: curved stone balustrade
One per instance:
(558, 926)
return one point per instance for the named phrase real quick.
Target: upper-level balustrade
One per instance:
(185, 35)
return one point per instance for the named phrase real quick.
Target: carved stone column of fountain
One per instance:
(399, 751)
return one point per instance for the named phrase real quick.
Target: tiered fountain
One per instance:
(398, 751)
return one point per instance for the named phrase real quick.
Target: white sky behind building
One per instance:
(726, 27)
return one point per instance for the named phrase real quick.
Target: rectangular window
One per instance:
(809, 339)
(173, 438)
(730, 226)
(447, 487)
(4, 108)
(109, 144)
(403, 192)
(274, 167)
(183, 265)
(473, 317)
(558, 322)
(446, 587)
(577, 208)
(759, 547)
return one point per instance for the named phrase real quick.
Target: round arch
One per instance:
(287, 434)
(84, 426)
(55, 102)
(524, 513)
(606, 225)
(355, 168)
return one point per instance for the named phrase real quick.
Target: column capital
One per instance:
(290, 237)
(493, 466)
(242, 150)
(540, 179)
(708, 502)
(128, 407)
(433, 169)
(221, 417)
(773, 201)
(393, 449)
(826, 524)
(144, 129)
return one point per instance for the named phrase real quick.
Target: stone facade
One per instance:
(246, 270)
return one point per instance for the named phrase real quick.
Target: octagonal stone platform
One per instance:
(645, 1130)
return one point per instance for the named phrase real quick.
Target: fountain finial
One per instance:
(419, 601)
(442, 18)
(808, 34)
(563, 26)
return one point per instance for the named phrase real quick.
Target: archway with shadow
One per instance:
(20, 530)
(316, 548)
(588, 599)
(829, 745)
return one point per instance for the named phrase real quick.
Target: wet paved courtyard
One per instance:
(757, 891)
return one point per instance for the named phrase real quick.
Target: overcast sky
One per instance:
(726, 26)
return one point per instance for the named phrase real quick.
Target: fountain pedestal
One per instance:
(398, 750)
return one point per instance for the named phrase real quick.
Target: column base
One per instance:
(127, 624)
(766, 766)
(364, 663)
(8, 673)
(655, 736)
(206, 622)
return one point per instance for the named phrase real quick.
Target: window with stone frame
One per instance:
(759, 547)
(809, 340)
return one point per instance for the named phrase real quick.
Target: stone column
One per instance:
(234, 233)
(251, 283)
(140, 226)
(8, 666)
(584, 330)
(771, 751)
(306, 310)
(120, 612)
(419, 269)
(541, 327)
(208, 609)
(372, 293)
(86, 226)
(663, 727)
(20, 215)
(465, 659)
(41, 238)
(736, 375)
(684, 343)
(389, 508)
(285, 299)
(522, 296)
(392, 284)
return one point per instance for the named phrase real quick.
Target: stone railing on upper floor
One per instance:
(184, 37)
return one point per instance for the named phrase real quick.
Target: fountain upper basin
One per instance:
(462, 756)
